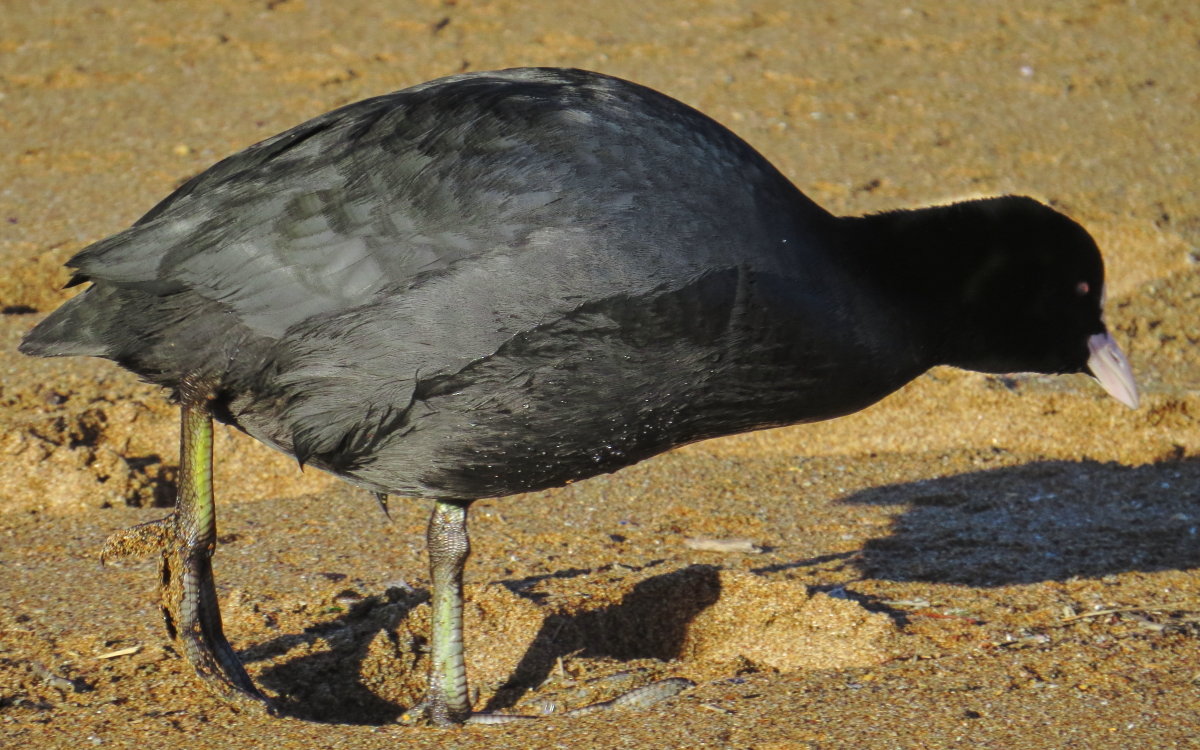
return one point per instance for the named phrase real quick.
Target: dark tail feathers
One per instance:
(80, 327)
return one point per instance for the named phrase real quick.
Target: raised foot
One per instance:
(638, 698)
(189, 607)
(139, 541)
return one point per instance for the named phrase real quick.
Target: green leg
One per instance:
(446, 702)
(199, 615)
(186, 540)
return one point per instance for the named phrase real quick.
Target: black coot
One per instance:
(499, 282)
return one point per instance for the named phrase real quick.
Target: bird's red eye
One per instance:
(1082, 288)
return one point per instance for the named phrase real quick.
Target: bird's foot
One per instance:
(591, 693)
(189, 607)
(426, 714)
(636, 698)
(423, 713)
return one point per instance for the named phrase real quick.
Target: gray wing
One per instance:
(368, 198)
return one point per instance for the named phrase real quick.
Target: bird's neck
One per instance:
(921, 260)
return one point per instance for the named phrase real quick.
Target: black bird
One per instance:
(499, 282)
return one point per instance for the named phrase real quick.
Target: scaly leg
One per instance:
(186, 540)
(446, 702)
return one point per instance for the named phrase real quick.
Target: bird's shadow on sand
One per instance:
(1051, 520)
(650, 622)
(327, 684)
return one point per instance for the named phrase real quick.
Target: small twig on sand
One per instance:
(1118, 610)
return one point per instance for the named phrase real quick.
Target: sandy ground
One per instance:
(977, 561)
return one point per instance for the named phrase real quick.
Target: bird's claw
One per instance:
(140, 540)
(638, 698)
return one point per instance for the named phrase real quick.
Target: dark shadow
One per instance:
(650, 622)
(1052, 520)
(152, 483)
(327, 686)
